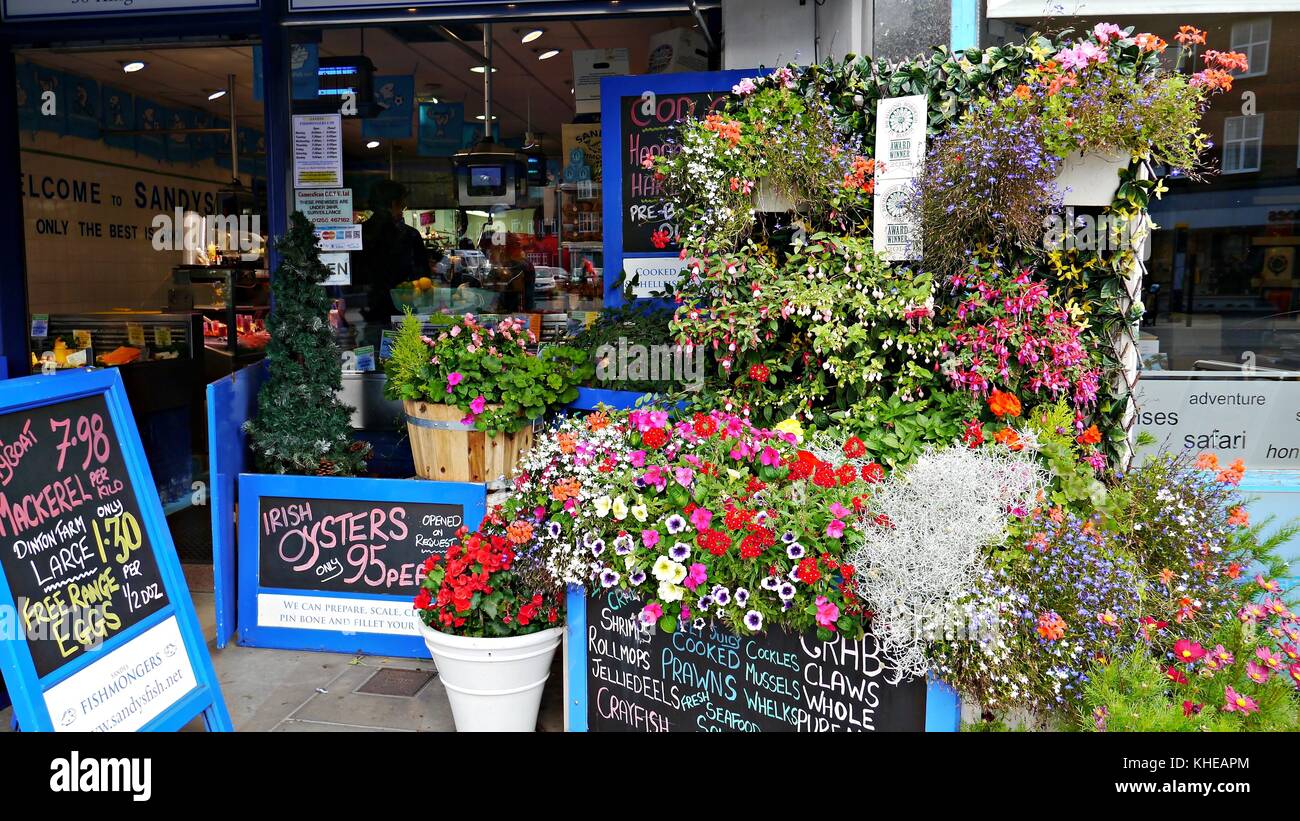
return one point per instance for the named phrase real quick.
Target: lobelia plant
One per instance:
(487, 372)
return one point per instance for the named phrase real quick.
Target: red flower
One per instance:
(823, 476)
(1091, 436)
(855, 448)
(714, 541)
(655, 438)
(847, 475)
(704, 425)
(1176, 676)
(1190, 709)
(759, 373)
(1004, 404)
(872, 473)
(808, 572)
(424, 599)
(974, 435)
(1188, 651)
(659, 239)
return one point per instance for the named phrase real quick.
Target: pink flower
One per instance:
(744, 87)
(1104, 31)
(455, 331)
(453, 379)
(1257, 673)
(701, 517)
(835, 529)
(476, 406)
(651, 613)
(650, 538)
(1271, 660)
(1236, 702)
(770, 457)
(684, 476)
(637, 458)
(696, 575)
(839, 511)
(827, 613)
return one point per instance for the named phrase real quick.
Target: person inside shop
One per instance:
(517, 275)
(391, 252)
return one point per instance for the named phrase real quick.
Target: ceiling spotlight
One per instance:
(134, 66)
(530, 36)
(372, 144)
(548, 54)
(217, 95)
(482, 69)
(480, 117)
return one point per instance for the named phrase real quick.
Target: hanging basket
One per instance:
(448, 450)
(1091, 177)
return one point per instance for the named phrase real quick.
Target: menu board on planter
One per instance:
(107, 637)
(712, 680)
(647, 123)
(351, 546)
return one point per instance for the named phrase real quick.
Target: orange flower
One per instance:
(597, 421)
(1207, 461)
(1166, 576)
(1238, 516)
(519, 532)
(1051, 626)
(1010, 438)
(568, 489)
(1091, 436)
(1150, 42)
(1190, 36)
(1022, 91)
(1004, 404)
(1231, 475)
(568, 442)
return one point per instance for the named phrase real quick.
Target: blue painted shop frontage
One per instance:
(375, 298)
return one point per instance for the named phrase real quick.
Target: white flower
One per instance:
(670, 592)
(602, 506)
(639, 512)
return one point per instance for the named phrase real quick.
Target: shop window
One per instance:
(1250, 37)
(1243, 138)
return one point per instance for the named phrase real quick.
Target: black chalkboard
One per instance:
(351, 546)
(712, 680)
(75, 551)
(646, 130)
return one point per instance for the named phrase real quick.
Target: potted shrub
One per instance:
(492, 624)
(472, 392)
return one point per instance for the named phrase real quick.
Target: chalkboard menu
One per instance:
(76, 555)
(351, 546)
(711, 680)
(648, 123)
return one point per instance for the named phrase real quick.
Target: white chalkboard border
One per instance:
(254, 486)
(26, 689)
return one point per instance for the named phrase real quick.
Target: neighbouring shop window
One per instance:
(1251, 38)
(1243, 138)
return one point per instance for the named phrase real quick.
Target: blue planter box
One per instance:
(589, 398)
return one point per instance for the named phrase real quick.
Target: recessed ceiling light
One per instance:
(372, 144)
(217, 95)
(530, 36)
(480, 117)
(134, 66)
(548, 54)
(482, 69)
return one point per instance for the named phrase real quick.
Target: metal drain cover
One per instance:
(392, 681)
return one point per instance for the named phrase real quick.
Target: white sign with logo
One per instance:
(1256, 420)
(896, 233)
(900, 137)
(337, 613)
(127, 688)
(342, 237)
(318, 151)
(654, 274)
(340, 268)
(17, 9)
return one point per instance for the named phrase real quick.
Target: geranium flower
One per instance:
(1051, 626)
(1091, 436)
(1238, 516)
(1105, 31)
(1003, 404)
(827, 612)
(1188, 651)
(1236, 702)
(1190, 36)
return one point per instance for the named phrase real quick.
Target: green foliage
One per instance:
(301, 426)
(486, 372)
(629, 325)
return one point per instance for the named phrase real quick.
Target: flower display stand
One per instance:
(1090, 178)
(449, 450)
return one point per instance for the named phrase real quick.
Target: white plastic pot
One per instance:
(1090, 178)
(494, 685)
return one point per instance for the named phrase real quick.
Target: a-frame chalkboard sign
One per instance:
(97, 629)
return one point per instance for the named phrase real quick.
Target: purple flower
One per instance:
(675, 524)
(795, 551)
(608, 578)
(754, 620)
(679, 551)
(636, 577)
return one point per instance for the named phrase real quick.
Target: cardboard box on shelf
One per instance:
(589, 65)
(675, 50)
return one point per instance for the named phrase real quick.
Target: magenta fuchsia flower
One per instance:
(839, 511)
(650, 538)
(770, 457)
(636, 458)
(683, 476)
(1235, 702)
(827, 612)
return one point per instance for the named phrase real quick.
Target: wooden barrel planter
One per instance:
(448, 450)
